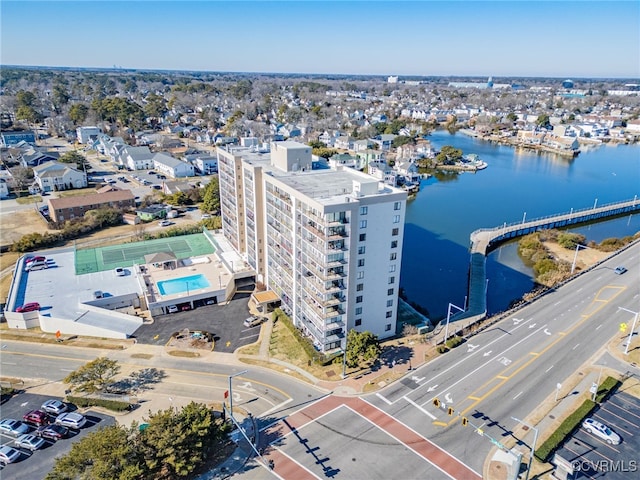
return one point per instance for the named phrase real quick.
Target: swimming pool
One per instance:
(182, 284)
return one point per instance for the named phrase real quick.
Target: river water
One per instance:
(516, 185)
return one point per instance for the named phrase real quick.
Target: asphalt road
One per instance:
(509, 369)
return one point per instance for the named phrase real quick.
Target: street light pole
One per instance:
(344, 359)
(446, 330)
(635, 319)
(533, 449)
(575, 257)
(231, 391)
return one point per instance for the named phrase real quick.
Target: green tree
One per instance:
(156, 106)
(25, 98)
(94, 376)
(78, 113)
(74, 157)
(448, 155)
(211, 196)
(29, 114)
(361, 346)
(175, 443)
(60, 95)
(512, 117)
(108, 453)
(543, 120)
(401, 140)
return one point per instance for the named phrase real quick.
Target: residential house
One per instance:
(68, 208)
(55, 176)
(13, 137)
(88, 134)
(204, 164)
(136, 158)
(152, 212)
(174, 186)
(344, 143)
(172, 167)
(384, 141)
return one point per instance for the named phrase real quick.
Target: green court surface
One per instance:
(98, 259)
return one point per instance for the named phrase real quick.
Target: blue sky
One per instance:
(468, 38)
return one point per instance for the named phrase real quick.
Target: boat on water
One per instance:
(473, 160)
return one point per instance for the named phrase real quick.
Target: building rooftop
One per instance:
(95, 198)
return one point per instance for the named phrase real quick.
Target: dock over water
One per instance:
(485, 240)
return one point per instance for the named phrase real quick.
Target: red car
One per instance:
(52, 432)
(28, 307)
(36, 417)
(35, 259)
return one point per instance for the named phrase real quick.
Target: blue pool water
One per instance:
(182, 284)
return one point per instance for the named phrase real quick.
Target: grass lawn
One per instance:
(29, 199)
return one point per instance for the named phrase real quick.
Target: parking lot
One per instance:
(223, 321)
(593, 457)
(37, 464)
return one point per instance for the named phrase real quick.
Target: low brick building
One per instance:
(68, 208)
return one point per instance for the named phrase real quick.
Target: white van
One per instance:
(36, 265)
(172, 309)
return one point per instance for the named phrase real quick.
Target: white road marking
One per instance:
(428, 414)
(547, 370)
(388, 402)
(598, 326)
(448, 398)
(486, 354)
(517, 395)
(575, 346)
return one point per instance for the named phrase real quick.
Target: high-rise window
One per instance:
(360, 287)
(361, 262)
(363, 237)
(396, 219)
(361, 250)
(392, 268)
(392, 280)
(387, 327)
(393, 256)
(364, 210)
(360, 275)
(389, 314)
(394, 244)
(358, 322)
(358, 310)
(363, 224)
(395, 232)
(359, 299)
(390, 291)
(389, 303)
(397, 205)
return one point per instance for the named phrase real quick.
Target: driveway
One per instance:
(224, 321)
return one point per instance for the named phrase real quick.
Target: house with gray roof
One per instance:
(55, 176)
(171, 166)
(137, 158)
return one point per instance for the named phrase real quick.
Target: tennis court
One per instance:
(98, 259)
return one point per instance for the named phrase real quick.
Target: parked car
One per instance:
(71, 420)
(54, 407)
(252, 322)
(36, 417)
(8, 454)
(13, 427)
(29, 442)
(120, 272)
(98, 294)
(52, 432)
(172, 309)
(36, 265)
(620, 270)
(601, 430)
(37, 257)
(164, 223)
(28, 307)
(206, 215)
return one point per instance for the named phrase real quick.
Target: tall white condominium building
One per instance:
(327, 241)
